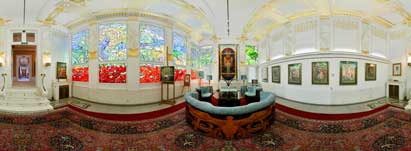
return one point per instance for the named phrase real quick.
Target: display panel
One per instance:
(112, 42)
(152, 44)
(149, 74)
(79, 48)
(320, 72)
(194, 74)
(294, 73)
(251, 56)
(112, 73)
(348, 73)
(179, 49)
(80, 73)
(179, 74)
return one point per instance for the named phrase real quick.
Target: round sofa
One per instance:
(230, 122)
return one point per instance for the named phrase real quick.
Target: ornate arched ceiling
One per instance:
(388, 13)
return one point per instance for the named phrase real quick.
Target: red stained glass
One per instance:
(113, 73)
(80, 74)
(149, 74)
(179, 74)
(194, 75)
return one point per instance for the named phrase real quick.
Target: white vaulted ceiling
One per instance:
(248, 18)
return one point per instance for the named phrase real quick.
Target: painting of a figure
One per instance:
(396, 69)
(348, 73)
(294, 73)
(228, 65)
(23, 67)
(167, 74)
(370, 72)
(320, 73)
(265, 74)
(61, 70)
(276, 74)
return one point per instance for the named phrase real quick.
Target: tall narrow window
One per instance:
(180, 56)
(79, 54)
(195, 61)
(112, 52)
(251, 55)
(152, 54)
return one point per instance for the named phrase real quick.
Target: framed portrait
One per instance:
(396, 69)
(320, 73)
(276, 74)
(23, 67)
(227, 61)
(61, 70)
(370, 72)
(167, 74)
(187, 80)
(265, 74)
(348, 73)
(294, 73)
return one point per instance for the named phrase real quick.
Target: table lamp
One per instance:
(244, 78)
(209, 78)
(201, 76)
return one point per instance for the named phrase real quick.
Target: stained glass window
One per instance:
(79, 47)
(152, 44)
(179, 49)
(112, 73)
(195, 57)
(112, 42)
(80, 73)
(206, 56)
(149, 74)
(251, 55)
(79, 54)
(179, 74)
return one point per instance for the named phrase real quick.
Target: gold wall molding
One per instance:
(132, 52)
(92, 55)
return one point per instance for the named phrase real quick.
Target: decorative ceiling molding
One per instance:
(4, 21)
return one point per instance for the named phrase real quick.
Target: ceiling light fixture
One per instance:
(228, 18)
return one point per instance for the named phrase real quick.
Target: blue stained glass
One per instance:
(179, 49)
(112, 42)
(79, 47)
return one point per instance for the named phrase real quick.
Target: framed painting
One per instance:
(23, 67)
(320, 73)
(227, 61)
(294, 73)
(370, 72)
(201, 74)
(348, 73)
(187, 80)
(397, 69)
(265, 74)
(276, 74)
(61, 70)
(254, 82)
(167, 74)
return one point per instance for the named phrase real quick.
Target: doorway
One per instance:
(24, 65)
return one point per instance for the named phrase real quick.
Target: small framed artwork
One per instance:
(167, 74)
(276, 74)
(254, 82)
(319, 73)
(265, 74)
(370, 72)
(348, 73)
(61, 70)
(396, 69)
(187, 80)
(294, 73)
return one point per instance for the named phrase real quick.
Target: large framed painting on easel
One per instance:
(227, 61)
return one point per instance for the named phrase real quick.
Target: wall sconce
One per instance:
(2, 57)
(46, 59)
(409, 59)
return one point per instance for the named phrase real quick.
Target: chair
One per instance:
(205, 93)
(251, 95)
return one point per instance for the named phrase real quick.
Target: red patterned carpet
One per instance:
(68, 129)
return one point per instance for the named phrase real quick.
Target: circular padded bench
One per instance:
(230, 122)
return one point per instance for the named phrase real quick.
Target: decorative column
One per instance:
(93, 57)
(133, 60)
(325, 33)
(288, 40)
(365, 37)
(169, 44)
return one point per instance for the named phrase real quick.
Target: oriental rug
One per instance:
(67, 129)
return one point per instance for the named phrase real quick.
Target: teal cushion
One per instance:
(205, 95)
(204, 90)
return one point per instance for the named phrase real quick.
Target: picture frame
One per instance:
(348, 72)
(61, 70)
(370, 72)
(167, 74)
(227, 61)
(320, 73)
(295, 74)
(397, 69)
(187, 79)
(276, 74)
(265, 74)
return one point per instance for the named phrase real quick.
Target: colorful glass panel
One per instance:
(79, 47)
(194, 74)
(179, 49)
(195, 57)
(152, 44)
(80, 73)
(112, 42)
(179, 74)
(149, 74)
(206, 56)
(113, 73)
(251, 56)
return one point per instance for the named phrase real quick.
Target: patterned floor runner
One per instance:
(66, 129)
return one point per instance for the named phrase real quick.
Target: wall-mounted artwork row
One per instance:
(294, 73)
(227, 61)
(319, 72)
(276, 74)
(348, 73)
